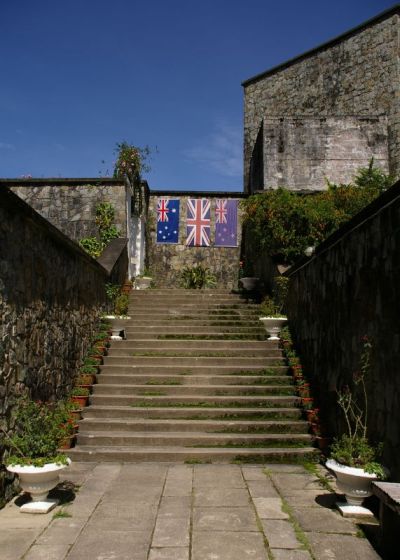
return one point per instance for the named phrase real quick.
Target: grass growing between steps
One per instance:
(196, 354)
(163, 382)
(257, 372)
(279, 392)
(311, 457)
(259, 382)
(233, 417)
(201, 404)
(216, 336)
(275, 429)
(257, 445)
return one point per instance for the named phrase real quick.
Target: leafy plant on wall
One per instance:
(105, 215)
(285, 223)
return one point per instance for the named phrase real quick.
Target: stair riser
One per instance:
(195, 352)
(188, 413)
(238, 362)
(258, 402)
(160, 380)
(203, 345)
(180, 329)
(186, 372)
(88, 426)
(205, 455)
(127, 390)
(182, 440)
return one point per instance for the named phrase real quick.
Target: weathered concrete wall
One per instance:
(351, 288)
(167, 261)
(51, 295)
(300, 153)
(356, 74)
(70, 204)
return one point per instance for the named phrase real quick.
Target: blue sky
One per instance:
(79, 76)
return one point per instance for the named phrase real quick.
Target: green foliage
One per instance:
(38, 432)
(80, 392)
(92, 246)
(197, 277)
(121, 304)
(112, 291)
(285, 223)
(275, 306)
(357, 452)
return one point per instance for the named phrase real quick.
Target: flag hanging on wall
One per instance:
(167, 220)
(198, 222)
(226, 222)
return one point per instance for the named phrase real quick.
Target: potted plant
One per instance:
(143, 281)
(354, 461)
(35, 457)
(80, 395)
(273, 318)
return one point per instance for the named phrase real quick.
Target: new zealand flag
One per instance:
(226, 223)
(198, 222)
(167, 220)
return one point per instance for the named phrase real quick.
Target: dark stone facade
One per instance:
(355, 75)
(348, 290)
(167, 261)
(51, 296)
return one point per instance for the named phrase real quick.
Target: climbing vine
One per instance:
(105, 215)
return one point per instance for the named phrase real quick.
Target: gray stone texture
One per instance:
(347, 291)
(72, 208)
(166, 261)
(357, 75)
(51, 295)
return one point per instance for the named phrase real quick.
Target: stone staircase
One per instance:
(196, 381)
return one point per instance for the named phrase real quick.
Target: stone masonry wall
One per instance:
(167, 261)
(51, 295)
(71, 207)
(348, 290)
(357, 74)
(300, 153)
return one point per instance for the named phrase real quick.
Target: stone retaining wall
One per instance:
(167, 261)
(348, 290)
(51, 295)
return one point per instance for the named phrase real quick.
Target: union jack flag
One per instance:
(162, 210)
(221, 211)
(198, 222)
(167, 220)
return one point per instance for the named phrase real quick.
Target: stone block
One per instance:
(235, 519)
(228, 546)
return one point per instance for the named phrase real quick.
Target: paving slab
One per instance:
(63, 531)
(323, 520)
(175, 506)
(47, 552)
(218, 497)
(281, 554)
(171, 532)
(280, 534)
(341, 547)
(224, 519)
(218, 475)
(15, 542)
(132, 516)
(110, 545)
(172, 553)
(254, 473)
(269, 508)
(311, 498)
(278, 468)
(288, 483)
(262, 489)
(228, 546)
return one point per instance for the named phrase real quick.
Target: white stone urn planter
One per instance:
(38, 481)
(118, 324)
(354, 483)
(143, 282)
(273, 326)
(249, 283)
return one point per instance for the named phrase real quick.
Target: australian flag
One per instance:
(198, 222)
(167, 220)
(226, 222)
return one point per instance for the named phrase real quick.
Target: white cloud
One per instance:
(221, 150)
(6, 146)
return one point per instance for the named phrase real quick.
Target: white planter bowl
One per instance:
(354, 483)
(249, 283)
(273, 326)
(143, 283)
(38, 481)
(118, 324)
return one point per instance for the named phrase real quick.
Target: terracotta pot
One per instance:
(323, 442)
(67, 442)
(81, 400)
(84, 379)
(75, 415)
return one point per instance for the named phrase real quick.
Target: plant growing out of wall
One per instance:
(285, 223)
(197, 277)
(105, 214)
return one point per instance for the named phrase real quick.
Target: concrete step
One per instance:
(189, 439)
(182, 333)
(182, 454)
(194, 369)
(175, 400)
(90, 425)
(159, 380)
(131, 350)
(204, 345)
(188, 390)
(192, 329)
(212, 361)
(190, 413)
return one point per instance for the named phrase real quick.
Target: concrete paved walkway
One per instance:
(154, 511)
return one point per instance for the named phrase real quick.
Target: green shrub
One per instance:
(121, 304)
(197, 277)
